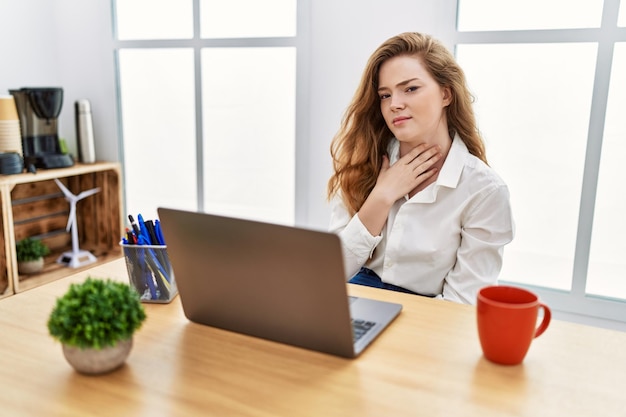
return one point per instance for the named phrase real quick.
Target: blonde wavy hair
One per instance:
(363, 135)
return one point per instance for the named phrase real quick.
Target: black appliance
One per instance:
(38, 110)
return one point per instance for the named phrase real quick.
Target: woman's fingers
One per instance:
(423, 158)
(419, 151)
(409, 172)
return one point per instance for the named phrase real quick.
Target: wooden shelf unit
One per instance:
(34, 206)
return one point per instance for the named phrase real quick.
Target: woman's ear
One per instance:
(447, 96)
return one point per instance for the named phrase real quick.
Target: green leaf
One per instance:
(96, 313)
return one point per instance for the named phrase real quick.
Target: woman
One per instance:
(416, 206)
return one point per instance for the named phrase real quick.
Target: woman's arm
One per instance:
(487, 226)
(356, 241)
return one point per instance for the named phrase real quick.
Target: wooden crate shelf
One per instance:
(34, 206)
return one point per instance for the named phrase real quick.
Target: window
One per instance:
(157, 101)
(492, 15)
(154, 19)
(249, 121)
(607, 266)
(549, 86)
(535, 127)
(247, 18)
(207, 91)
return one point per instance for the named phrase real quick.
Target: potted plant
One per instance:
(30, 253)
(95, 321)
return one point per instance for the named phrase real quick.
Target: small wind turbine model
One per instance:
(76, 258)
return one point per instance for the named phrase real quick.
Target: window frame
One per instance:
(576, 304)
(300, 41)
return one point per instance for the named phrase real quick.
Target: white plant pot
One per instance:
(30, 267)
(98, 361)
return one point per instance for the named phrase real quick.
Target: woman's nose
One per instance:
(396, 102)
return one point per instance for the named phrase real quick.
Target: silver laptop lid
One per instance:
(275, 282)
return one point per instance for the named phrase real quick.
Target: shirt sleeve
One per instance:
(487, 226)
(357, 243)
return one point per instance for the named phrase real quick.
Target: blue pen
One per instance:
(159, 233)
(139, 277)
(142, 228)
(161, 239)
(147, 275)
(160, 254)
(157, 269)
(143, 241)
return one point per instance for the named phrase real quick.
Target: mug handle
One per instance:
(547, 316)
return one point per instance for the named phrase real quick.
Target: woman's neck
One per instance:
(444, 143)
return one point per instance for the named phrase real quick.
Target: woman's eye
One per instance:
(411, 89)
(384, 96)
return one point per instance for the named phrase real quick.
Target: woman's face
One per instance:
(411, 101)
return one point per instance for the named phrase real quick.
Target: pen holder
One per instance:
(150, 272)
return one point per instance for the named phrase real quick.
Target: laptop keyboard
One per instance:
(360, 328)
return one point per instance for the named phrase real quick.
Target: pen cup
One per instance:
(150, 272)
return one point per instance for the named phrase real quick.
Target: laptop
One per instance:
(276, 282)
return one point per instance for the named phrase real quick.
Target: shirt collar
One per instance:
(452, 168)
(450, 173)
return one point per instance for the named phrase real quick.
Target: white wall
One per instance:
(63, 43)
(68, 43)
(86, 61)
(28, 47)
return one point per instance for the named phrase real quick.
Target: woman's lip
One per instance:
(400, 119)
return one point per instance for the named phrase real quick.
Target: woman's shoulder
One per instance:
(463, 166)
(476, 170)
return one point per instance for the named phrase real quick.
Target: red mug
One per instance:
(507, 322)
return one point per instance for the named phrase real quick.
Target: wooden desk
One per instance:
(428, 363)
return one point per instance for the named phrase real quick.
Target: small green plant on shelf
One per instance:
(31, 249)
(30, 253)
(96, 314)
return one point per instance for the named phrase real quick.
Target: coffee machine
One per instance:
(38, 110)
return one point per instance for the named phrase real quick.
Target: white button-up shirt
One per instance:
(446, 241)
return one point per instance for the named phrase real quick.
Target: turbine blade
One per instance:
(87, 193)
(63, 188)
(71, 218)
